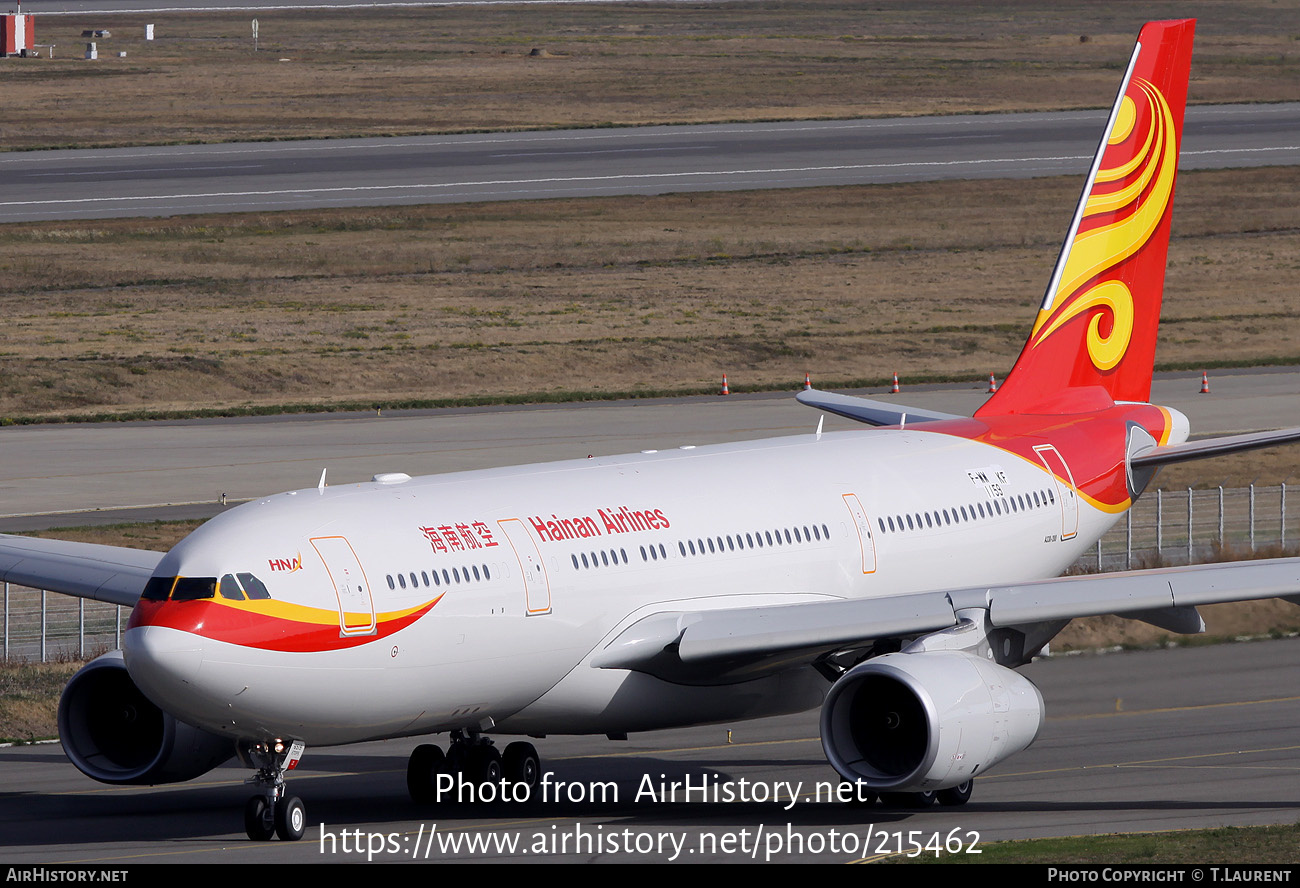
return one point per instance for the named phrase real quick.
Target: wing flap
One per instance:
(87, 570)
(721, 646)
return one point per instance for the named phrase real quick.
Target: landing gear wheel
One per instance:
(290, 819)
(521, 764)
(955, 795)
(483, 764)
(258, 822)
(426, 763)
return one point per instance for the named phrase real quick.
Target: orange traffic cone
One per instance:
(893, 390)
(1205, 383)
(993, 384)
(807, 382)
(725, 390)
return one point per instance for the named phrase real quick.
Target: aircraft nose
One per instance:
(163, 662)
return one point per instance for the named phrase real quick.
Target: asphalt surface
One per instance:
(61, 475)
(108, 7)
(1149, 741)
(169, 180)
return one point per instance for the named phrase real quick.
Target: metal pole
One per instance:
(42, 625)
(81, 628)
(1222, 542)
(1252, 516)
(117, 626)
(1098, 554)
(1128, 540)
(6, 621)
(1160, 517)
(1281, 533)
(1189, 525)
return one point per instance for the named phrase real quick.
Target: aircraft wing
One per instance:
(87, 570)
(731, 645)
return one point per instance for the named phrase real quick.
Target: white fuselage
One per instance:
(569, 554)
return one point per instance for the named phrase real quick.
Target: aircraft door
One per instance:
(356, 606)
(1065, 490)
(537, 585)
(862, 524)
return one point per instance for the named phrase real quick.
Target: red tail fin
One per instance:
(1094, 339)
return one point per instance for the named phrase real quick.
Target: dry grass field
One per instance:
(634, 295)
(325, 74)
(384, 306)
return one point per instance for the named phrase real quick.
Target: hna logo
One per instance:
(286, 564)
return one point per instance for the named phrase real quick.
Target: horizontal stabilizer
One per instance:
(1159, 456)
(87, 570)
(876, 413)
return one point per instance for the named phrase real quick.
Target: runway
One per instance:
(61, 475)
(1149, 741)
(131, 7)
(241, 177)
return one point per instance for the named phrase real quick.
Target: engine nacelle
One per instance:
(113, 733)
(927, 721)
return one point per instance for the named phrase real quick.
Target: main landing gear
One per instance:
(473, 758)
(272, 811)
(955, 795)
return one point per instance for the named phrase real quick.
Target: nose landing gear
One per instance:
(272, 811)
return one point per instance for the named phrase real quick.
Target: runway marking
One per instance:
(177, 169)
(612, 151)
(426, 186)
(1138, 762)
(665, 751)
(1173, 709)
(693, 131)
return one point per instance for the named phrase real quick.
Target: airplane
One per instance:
(894, 575)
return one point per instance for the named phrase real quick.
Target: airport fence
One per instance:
(47, 626)
(1165, 527)
(1170, 527)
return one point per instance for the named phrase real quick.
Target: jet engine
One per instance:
(113, 733)
(927, 721)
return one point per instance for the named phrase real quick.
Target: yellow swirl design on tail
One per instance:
(1103, 248)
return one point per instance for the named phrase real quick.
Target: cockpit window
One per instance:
(158, 588)
(253, 586)
(229, 588)
(194, 588)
